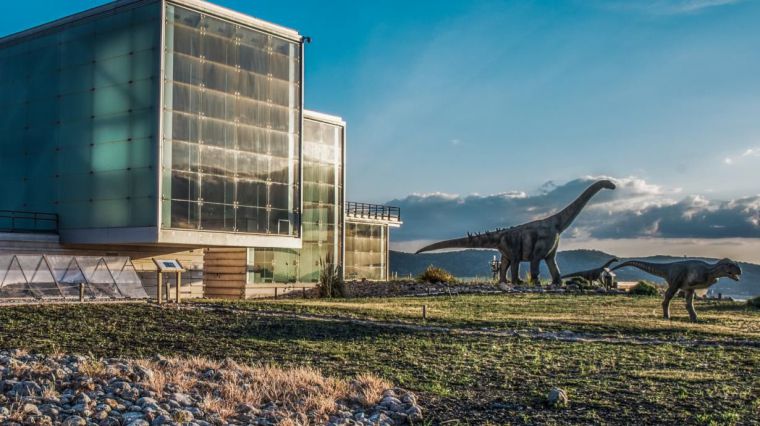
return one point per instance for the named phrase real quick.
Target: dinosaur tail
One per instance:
(610, 262)
(466, 242)
(648, 267)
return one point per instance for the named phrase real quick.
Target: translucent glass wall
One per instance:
(366, 251)
(322, 212)
(322, 197)
(232, 119)
(79, 118)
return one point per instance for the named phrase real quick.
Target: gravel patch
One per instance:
(75, 390)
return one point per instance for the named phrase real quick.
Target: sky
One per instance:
(500, 106)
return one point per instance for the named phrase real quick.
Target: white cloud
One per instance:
(636, 209)
(664, 7)
(748, 153)
(432, 195)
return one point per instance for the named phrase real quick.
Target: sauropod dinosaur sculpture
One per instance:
(592, 275)
(686, 275)
(530, 242)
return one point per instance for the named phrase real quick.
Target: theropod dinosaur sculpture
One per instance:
(592, 275)
(687, 275)
(530, 242)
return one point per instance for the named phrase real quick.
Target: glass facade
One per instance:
(323, 157)
(231, 126)
(366, 251)
(79, 120)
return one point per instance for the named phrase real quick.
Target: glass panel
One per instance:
(218, 217)
(366, 251)
(322, 205)
(83, 99)
(233, 91)
(185, 214)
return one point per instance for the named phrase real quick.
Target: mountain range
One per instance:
(476, 263)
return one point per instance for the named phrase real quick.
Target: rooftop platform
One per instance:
(377, 213)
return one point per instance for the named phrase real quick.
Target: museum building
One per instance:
(177, 129)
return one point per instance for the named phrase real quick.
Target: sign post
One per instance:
(169, 266)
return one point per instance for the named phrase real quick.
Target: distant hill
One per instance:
(472, 263)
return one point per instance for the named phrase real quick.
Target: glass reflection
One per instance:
(366, 251)
(322, 207)
(234, 98)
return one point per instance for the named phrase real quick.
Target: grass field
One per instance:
(605, 315)
(705, 373)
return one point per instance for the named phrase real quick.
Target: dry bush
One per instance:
(49, 392)
(367, 389)
(156, 381)
(212, 404)
(331, 283)
(93, 368)
(434, 274)
(644, 288)
(16, 413)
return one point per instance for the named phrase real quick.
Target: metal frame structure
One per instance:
(87, 279)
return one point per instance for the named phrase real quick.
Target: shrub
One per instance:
(434, 274)
(644, 288)
(331, 282)
(754, 302)
(582, 283)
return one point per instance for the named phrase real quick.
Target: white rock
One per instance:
(558, 398)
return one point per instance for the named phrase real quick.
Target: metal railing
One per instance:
(373, 211)
(32, 222)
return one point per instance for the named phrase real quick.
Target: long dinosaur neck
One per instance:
(658, 269)
(566, 217)
(487, 240)
(609, 262)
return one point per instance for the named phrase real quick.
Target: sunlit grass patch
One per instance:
(682, 375)
(579, 313)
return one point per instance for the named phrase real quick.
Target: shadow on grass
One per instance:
(142, 330)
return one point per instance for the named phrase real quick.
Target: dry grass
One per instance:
(683, 375)
(30, 371)
(49, 392)
(368, 389)
(93, 368)
(300, 393)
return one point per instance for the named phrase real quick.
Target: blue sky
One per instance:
(454, 98)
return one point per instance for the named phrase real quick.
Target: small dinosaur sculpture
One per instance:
(530, 242)
(592, 274)
(687, 275)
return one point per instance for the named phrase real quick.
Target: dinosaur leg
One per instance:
(672, 290)
(515, 265)
(534, 272)
(503, 269)
(551, 262)
(690, 305)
